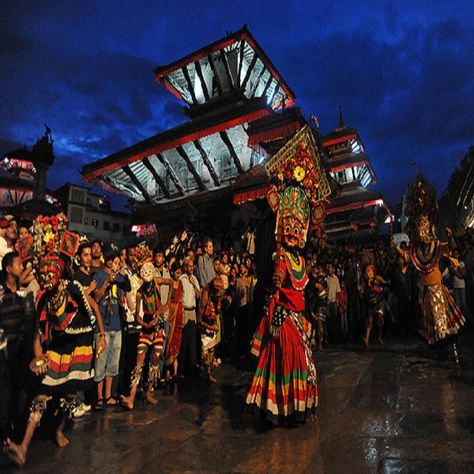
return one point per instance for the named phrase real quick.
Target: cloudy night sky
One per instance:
(403, 71)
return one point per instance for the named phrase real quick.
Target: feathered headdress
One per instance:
(298, 163)
(421, 204)
(143, 254)
(300, 185)
(52, 240)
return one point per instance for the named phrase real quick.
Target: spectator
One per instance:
(83, 274)
(458, 274)
(161, 271)
(17, 327)
(205, 264)
(3, 241)
(8, 236)
(249, 240)
(229, 317)
(333, 296)
(191, 292)
(176, 320)
(110, 282)
(130, 269)
(24, 243)
(342, 310)
(243, 310)
(219, 271)
(353, 304)
(97, 256)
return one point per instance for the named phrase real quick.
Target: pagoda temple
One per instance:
(356, 212)
(240, 112)
(235, 99)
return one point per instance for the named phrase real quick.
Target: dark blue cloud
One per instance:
(403, 75)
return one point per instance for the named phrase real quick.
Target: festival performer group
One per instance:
(85, 325)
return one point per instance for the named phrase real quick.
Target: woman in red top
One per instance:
(176, 319)
(342, 309)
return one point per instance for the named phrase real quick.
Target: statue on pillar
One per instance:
(43, 158)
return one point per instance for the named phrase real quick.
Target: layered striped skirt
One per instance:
(284, 386)
(71, 367)
(441, 317)
(155, 338)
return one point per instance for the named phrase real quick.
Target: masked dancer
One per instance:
(284, 387)
(441, 319)
(209, 319)
(152, 336)
(374, 295)
(63, 344)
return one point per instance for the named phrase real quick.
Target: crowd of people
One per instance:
(153, 315)
(341, 296)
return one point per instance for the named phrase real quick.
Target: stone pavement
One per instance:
(386, 409)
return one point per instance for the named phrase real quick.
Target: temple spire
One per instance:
(341, 119)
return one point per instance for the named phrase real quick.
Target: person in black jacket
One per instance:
(17, 328)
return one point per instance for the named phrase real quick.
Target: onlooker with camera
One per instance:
(111, 282)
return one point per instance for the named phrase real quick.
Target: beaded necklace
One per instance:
(57, 311)
(297, 271)
(425, 263)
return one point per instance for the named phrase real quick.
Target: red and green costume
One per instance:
(285, 386)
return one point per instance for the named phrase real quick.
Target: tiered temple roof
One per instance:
(228, 86)
(355, 208)
(233, 63)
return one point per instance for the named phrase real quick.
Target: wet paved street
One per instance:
(388, 409)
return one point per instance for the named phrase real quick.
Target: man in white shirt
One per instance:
(333, 294)
(8, 236)
(3, 242)
(191, 292)
(135, 283)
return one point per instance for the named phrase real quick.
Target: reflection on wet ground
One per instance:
(386, 409)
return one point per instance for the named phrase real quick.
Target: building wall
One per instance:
(90, 214)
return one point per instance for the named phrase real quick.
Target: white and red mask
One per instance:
(147, 272)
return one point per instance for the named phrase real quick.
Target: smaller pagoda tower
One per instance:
(356, 211)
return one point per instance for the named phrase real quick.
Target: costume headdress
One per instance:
(421, 209)
(143, 254)
(52, 241)
(370, 269)
(300, 186)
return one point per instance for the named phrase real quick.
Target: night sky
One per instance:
(403, 71)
